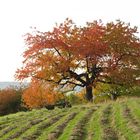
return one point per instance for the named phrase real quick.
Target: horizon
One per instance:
(4, 85)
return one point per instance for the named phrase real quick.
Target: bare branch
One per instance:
(77, 77)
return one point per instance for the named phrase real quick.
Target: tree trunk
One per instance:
(89, 95)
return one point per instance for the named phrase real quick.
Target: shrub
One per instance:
(10, 101)
(38, 95)
(77, 98)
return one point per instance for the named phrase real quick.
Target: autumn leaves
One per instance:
(71, 56)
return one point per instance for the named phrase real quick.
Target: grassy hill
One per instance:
(111, 121)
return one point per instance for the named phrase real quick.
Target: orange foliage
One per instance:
(8, 100)
(7, 95)
(81, 95)
(38, 95)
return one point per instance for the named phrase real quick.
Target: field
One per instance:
(111, 121)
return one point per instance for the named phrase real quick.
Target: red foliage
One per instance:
(82, 56)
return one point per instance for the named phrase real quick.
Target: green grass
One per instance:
(94, 129)
(34, 129)
(111, 121)
(134, 105)
(122, 123)
(70, 126)
(48, 130)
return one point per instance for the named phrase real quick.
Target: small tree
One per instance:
(71, 56)
(39, 95)
(10, 101)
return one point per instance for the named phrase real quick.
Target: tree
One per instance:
(38, 95)
(71, 56)
(111, 91)
(10, 100)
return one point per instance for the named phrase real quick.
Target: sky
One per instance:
(18, 16)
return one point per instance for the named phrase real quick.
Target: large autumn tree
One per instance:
(71, 55)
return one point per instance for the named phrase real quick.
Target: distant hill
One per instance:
(10, 84)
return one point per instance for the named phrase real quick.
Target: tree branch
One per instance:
(95, 71)
(77, 77)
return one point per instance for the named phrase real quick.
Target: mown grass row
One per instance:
(111, 121)
(15, 130)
